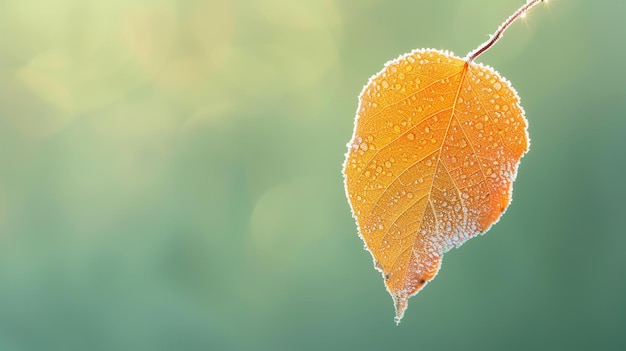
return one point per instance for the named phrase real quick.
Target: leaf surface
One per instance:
(436, 146)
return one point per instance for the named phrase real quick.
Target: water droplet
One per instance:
(409, 195)
(363, 146)
(426, 130)
(410, 136)
(479, 125)
(429, 163)
(388, 164)
(457, 207)
(497, 86)
(462, 144)
(396, 128)
(385, 84)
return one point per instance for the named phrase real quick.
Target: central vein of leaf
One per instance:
(443, 140)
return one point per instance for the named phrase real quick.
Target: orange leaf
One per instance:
(436, 146)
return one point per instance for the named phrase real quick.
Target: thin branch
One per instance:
(521, 12)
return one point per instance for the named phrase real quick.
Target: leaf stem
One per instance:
(498, 34)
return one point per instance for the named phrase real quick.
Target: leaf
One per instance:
(436, 146)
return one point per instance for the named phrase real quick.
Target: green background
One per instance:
(170, 177)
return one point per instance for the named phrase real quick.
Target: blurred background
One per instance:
(170, 177)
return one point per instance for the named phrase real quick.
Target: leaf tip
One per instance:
(400, 303)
